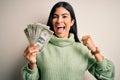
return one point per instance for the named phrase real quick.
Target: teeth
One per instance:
(60, 26)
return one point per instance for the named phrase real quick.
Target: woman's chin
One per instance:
(61, 35)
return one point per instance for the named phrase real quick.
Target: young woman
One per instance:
(65, 57)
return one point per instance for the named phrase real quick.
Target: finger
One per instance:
(84, 38)
(88, 46)
(25, 52)
(29, 56)
(26, 49)
(87, 41)
(29, 51)
(35, 50)
(33, 44)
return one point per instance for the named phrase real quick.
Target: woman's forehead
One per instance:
(61, 10)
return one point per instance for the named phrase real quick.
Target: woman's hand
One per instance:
(30, 54)
(87, 41)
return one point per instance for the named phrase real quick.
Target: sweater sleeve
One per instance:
(104, 70)
(28, 74)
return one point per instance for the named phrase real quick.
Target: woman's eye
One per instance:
(64, 16)
(54, 16)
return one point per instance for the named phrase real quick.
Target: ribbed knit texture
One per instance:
(63, 59)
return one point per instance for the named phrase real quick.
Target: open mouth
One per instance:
(60, 29)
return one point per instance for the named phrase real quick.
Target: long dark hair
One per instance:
(68, 7)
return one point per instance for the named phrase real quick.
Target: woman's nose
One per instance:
(60, 19)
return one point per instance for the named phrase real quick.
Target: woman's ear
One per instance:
(72, 22)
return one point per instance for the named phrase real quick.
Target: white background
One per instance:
(98, 18)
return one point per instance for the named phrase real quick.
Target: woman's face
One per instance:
(62, 22)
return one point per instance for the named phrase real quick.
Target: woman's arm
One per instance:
(87, 41)
(29, 74)
(103, 70)
(100, 67)
(30, 71)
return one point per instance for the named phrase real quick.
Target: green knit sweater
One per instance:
(65, 59)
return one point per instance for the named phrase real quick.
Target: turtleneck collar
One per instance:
(62, 42)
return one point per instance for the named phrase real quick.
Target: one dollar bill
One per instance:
(39, 34)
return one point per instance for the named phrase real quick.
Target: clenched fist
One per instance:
(87, 41)
(30, 54)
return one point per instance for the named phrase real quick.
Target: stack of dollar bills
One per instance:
(39, 34)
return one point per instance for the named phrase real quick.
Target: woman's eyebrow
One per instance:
(65, 14)
(61, 14)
